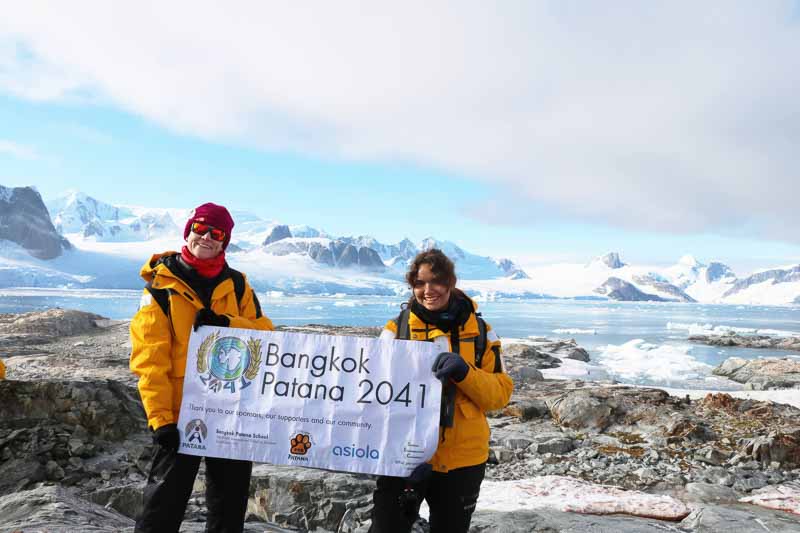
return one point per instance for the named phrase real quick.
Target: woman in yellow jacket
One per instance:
(474, 382)
(186, 290)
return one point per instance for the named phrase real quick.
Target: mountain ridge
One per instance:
(306, 260)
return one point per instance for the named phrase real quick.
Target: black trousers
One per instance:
(170, 483)
(451, 498)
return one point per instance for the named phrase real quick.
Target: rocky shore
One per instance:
(749, 341)
(74, 448)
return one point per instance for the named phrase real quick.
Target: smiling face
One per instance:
(430, 292)
(203, 246)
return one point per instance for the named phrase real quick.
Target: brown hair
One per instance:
(441, 266)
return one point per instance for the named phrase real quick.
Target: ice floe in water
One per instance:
(710, 329)
(575, 331)
(638, 361)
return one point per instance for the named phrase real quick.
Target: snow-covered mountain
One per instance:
(77, 215)
(782, 284)
(111, 242)
(294, 258)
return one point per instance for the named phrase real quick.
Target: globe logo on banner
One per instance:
(229, 357)
(228, 363)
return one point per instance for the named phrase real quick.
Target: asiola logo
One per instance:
(360, 453)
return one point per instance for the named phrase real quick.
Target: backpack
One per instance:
(161, 296)
(404, 333)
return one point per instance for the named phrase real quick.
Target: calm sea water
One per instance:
(608, 330)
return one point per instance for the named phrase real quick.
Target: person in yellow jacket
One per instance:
(187, 290)
(474, 381)
(2, 370)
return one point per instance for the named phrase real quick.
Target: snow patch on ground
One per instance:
(574, 495)
(782, 497)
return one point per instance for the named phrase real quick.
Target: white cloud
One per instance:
(17, 150)
(671, 116)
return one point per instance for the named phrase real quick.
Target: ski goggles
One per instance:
(216, 233)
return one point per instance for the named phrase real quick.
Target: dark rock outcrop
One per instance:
(621, 290)
(676, 293)
(717, 271)
(511, 269)
(24, 220)
(749, 341)
(278, 233)
(611, 260)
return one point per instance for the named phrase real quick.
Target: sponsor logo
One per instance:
(358, 453)
(195, 434)
(300, 443)
(223, 363)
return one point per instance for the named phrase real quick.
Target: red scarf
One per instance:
(208, 268)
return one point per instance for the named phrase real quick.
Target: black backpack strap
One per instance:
(238, 285)
(403, 331)
(480, 341)
(161, 296)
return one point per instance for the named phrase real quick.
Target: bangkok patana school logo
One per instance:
(195, 434)
(224, 362)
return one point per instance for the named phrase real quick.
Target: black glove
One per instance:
(207, 317)
(167, 437)
(411, 497)
(420, 473)
(450, 365)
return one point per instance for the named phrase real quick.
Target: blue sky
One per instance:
(542, 132)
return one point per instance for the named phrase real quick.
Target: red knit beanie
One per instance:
(213, 215)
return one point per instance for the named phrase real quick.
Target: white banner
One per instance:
(353, 404)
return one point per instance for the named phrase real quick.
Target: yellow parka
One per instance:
(160, 342)
(483, 389)
(2, 370)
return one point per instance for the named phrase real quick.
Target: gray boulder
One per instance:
(761, 374)
(56, 509)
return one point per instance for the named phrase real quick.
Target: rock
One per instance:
(527, 356)
(24, 220)
(710, 492)
(750, 481)
(54, 508)
(517, 444)
(680, 428)
(51, 323)
(738, 518)
(125, 499)
(307, 499)
(581, 410)
(529, 375)
(748, 341)
(718, 476)
(277, 233)
(762, 374)
(781, 447)
(713, 456)
(621, 290)
(556, 446)
(527, 410)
